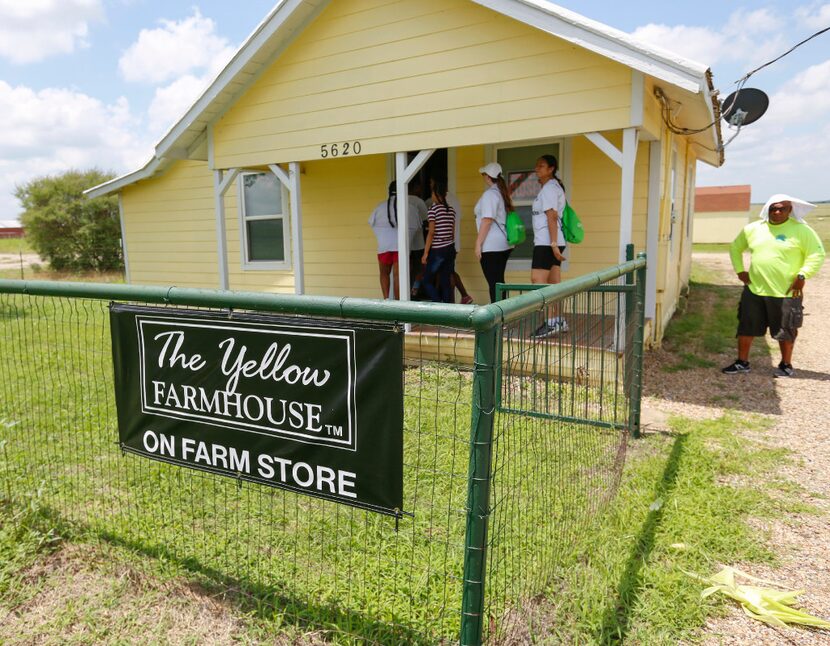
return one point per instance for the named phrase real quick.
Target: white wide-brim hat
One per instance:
(800, 207)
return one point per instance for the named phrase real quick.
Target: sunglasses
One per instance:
(779, 208)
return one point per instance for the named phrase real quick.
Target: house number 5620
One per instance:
(340, 150)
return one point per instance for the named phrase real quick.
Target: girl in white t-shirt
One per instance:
(492, 248)
(548, 239)
(384, 223)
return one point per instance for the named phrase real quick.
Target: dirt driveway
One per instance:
(799, 409)
(13, 260)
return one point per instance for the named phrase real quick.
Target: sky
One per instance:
(88, 83)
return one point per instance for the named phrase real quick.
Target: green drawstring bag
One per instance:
(516, 232)
(571, 225)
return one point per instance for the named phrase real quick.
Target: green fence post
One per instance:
(478, 486)
(637, 350)
(628, 365)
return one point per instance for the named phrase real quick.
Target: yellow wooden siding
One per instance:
(170, 228)
(595, 195)
(719, 226)
(674, 256)
(339, 246)
(404, 75)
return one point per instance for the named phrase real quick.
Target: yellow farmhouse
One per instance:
(267, 182)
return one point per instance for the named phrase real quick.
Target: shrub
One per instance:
(68, 230)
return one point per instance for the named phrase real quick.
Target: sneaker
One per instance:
(467, 300)
(784, 370)
(550, 329)
(737, 367)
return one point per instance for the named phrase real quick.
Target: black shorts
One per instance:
(757, 313)
(543, 257)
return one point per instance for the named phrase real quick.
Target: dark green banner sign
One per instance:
(313, 406)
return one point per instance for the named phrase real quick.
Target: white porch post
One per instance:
(655, 163)
(291, 182)
(629, 158)
(123, 238)
(297, 227)
(402, 208)
(403, 174)
(220, 187)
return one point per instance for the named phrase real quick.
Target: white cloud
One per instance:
(53, 130)
(814, 16)
(173, 50)
(172, 101)
(738, 40)
(32, 30)
(184, 56)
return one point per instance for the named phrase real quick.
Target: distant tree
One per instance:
(69, 231)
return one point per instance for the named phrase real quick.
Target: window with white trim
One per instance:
(263, 222)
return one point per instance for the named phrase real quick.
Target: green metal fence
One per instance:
(513, 443)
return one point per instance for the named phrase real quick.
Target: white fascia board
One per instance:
(604, 40)
(245, 55)
(118, 183)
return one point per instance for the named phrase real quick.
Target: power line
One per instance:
(789, 51)
(666, 108)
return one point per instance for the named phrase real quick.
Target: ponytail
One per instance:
(392, 205)
(439, 189)
(505, 193)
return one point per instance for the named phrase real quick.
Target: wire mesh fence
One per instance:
(534, 483)
(559, 441)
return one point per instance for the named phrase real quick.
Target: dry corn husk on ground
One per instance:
(770, 605)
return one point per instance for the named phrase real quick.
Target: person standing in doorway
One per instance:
(548, 239)
(454, 203)
(492, 248)
(784, 253)
(417, 216)
(384, 223)
(439, 251)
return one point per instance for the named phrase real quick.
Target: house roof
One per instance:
(289, 17)
(712, 199)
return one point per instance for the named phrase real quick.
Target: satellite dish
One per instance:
(744, 106)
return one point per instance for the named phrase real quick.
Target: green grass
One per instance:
(289, 565)
(672, 514)
(15, 245)
(706, 328)
(822, 226)
(711, 247)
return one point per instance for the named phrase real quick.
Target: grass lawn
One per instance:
(822, 227)
(92, 541)
(15, 245)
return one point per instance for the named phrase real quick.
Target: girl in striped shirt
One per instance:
(439, 250)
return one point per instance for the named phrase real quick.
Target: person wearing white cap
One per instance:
(492, 248)
(784, 253)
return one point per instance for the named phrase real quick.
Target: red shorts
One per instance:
(388, 258)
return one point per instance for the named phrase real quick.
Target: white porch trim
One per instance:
(123, 238)
(655, 164)
(629, 154)
(291, 182)
(221, 182)
(613, 153)
(404, 173)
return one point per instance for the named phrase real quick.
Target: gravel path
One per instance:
(800, 410)
(12, 260)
